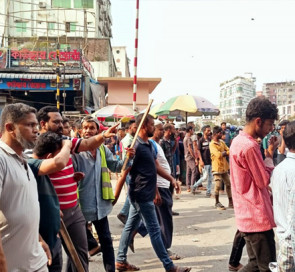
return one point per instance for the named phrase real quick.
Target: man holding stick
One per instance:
(142, 192)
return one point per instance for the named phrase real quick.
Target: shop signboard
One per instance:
(44, 59)
(37, 84)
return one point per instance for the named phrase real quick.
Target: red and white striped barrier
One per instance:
(135, 56)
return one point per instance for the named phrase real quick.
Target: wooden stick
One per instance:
(137, 131)
(70, 246)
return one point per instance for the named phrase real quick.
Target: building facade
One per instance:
(122, 61)
(55, 18)
(286, 111)
(32, 34)
(280, 93)
(235, 94)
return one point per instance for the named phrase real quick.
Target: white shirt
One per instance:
(282, 183)
(161, 182)
(19, 213)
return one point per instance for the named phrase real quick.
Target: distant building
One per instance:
(286, 111)
(121, 61)
(280, 93)
(235, 94)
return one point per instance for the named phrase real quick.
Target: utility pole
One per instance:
(57, 78)
(6, 25)
(85, 29)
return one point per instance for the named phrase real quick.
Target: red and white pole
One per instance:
(135, 56)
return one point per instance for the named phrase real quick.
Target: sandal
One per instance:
(126, 267)
(174, 257)
(179, 269)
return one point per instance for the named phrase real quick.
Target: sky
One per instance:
(194, 45)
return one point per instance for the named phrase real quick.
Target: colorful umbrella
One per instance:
(115, 111)
(154, 109)
(188, 105)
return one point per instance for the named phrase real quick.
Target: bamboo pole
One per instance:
(70, 246)
(137, 131)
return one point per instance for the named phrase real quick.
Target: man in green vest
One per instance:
(95, 190)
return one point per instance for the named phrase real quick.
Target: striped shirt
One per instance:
(250, 177)
(64, 183)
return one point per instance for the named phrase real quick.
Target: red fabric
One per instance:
(250, 178)
(64, 183)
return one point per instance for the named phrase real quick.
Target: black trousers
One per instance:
(261, 250)
(106, 243)
(92, 243)
(164, 214)
(75, 224)
(56, 254)
(237, 249)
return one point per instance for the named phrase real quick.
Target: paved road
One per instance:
(202, 235)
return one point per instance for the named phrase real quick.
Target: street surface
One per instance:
(202, 236)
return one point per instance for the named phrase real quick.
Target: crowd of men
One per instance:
(54, 170)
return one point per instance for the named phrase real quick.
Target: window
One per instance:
(21, 26)
(51, 26)
(83, 3)
(61, 3)
(70, 27)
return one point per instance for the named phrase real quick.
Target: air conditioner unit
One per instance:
(42, 4)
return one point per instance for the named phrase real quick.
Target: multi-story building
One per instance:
(122, 61)
(280, 93)
(32, 31)
(286, 111)
(55, 18)
(235, 94)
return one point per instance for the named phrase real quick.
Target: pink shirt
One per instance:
(250, 178)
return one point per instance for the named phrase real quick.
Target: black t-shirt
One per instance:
(142, 186)
(49, 205)
(203, 147)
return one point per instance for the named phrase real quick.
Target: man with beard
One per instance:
(95, 191)
(250, 177)
(142, 192)
(20, 249)
(65, 184)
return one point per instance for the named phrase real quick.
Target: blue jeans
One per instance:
(126, 206)
(145, 211)
(207, 176)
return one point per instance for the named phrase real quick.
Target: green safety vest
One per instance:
(107, 190)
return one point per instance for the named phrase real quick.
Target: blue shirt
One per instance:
(142, 186)
(90, 188)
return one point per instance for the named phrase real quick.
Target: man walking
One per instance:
(191, 160)
(66, 186)
(95, 191)
(164, 210)
(142, 191)
(20, 249)
(205, 159)
(250, 177)
(283, 188)
(219, 153)
(126, 142)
